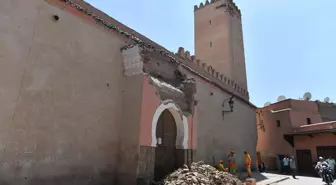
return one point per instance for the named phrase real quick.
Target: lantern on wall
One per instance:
(231, 103)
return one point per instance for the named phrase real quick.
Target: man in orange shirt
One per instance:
(248, 164)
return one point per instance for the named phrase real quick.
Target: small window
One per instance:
(308, 121)
(210, 44)
(210, 22)
(278, 123)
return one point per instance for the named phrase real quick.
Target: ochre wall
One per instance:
(151, 102)
(226, 54)
(215, 136)
(151, 106)
(62, 88)
(307, 142)
(303, 110)
(129, 130)
(271, 141)
(69, 116)
(327, 111)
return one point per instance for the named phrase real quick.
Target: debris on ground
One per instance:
(200, 174)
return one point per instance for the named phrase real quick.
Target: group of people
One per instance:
(289, 165)
(232, 164)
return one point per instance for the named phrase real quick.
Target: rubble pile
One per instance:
(200, 174)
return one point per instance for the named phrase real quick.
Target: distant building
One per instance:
(327, 111)
(295, 127)
(85, 99)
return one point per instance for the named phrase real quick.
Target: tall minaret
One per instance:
(219, 39)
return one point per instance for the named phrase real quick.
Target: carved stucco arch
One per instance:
(180, 120)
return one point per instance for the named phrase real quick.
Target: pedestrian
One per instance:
(332, 164)
(292, 165)
(232, 162)
(220, 166)
(248, 164)
(262, 167)
(286, 164)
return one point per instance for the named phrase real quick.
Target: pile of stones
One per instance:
(200, 174)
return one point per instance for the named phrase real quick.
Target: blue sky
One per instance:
(290, 45)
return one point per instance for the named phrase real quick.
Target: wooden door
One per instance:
(304, 162)
(326, 151)
(165, 154)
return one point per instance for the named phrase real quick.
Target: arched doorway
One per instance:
(180, 121)
(166, 152)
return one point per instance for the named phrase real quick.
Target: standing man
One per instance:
(292, 165)
(232, 162)
(286, 164)
(331, 163)
(248, 163)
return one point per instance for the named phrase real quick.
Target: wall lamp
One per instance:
(231, 104)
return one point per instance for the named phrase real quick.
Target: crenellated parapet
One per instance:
(208, 69)
(133, 62)
(201, 5)
(228, 5)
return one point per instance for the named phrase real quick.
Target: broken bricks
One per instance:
(200, 174)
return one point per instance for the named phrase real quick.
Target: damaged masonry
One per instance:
(170, 83)
(97, 102)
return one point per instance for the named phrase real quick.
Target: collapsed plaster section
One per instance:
(132, 61)
(165, 76)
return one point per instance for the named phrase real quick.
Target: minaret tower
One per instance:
(219, 39)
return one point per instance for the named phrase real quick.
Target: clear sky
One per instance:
(290, 45)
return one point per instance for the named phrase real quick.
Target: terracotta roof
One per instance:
(316, 128)
(139, 39)
(312, 132)
(318, 124)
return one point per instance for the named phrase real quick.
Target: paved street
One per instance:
(301, 181)
(271, 179)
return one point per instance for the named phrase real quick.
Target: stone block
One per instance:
(251, 181)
